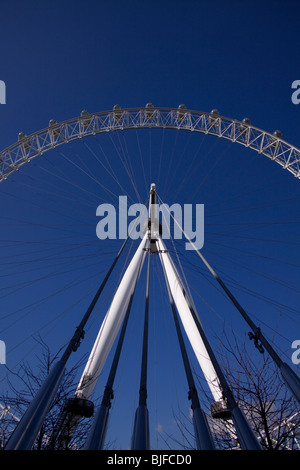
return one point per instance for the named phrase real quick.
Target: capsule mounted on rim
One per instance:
(149, 113)
(245, 127)
(117, 112)
(278, 135)
(54, 128)
(213, 117)
(181, 112)
(85, 118)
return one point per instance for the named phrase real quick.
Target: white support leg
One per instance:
(188, 322)
(111, 324)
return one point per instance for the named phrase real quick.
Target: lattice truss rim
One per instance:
(57, 133)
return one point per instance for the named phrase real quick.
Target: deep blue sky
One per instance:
(75, 55)
(60, 57)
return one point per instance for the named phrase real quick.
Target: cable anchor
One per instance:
(80, 336)
(257, 342)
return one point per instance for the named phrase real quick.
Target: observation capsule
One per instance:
(149, 113)
(21, 136)
(24, 140)
(117, 112)
(244, 127)
(54, 128)
(181, 112)
(213, 118)
(247, 121)
(85, 118)
(278, 135)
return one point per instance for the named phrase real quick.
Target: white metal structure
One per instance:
(111, 323)
(181, 301)
(113, 319)
(242, 132)
(152, 242)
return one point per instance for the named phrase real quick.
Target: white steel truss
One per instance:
(112, 323)
(29, 146)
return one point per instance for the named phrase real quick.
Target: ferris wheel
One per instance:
(165, 172)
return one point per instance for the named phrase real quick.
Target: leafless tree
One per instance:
(24, 385)
(260, 392)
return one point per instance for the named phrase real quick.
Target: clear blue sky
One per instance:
(60, 57)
